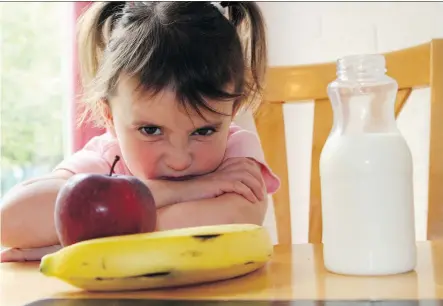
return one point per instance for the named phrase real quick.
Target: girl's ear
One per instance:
(107, 114)
(236, 108)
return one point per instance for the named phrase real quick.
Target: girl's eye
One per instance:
(150, 130)
(204, 132)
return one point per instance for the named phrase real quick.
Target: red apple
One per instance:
(102, 205)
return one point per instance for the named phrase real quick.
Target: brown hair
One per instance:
(189, 46)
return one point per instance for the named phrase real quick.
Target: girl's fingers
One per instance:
(35, 254)
(241, 189)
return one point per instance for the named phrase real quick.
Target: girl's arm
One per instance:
(227, 208)
(27, 212)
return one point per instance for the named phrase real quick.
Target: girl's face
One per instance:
(159, 139)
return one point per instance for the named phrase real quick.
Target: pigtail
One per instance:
(94, 30)
(247, 18)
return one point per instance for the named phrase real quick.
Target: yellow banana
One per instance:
(161, 259)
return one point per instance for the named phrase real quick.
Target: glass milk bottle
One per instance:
(366, 175)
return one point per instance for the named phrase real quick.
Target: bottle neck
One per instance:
(361, 67)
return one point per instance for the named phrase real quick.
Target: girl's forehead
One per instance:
(130, 90)
(134, 102)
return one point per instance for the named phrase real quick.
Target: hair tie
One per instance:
(220, 8)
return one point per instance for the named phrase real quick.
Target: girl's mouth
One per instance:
(177, 178)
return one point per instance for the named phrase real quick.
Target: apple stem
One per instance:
(117, 158)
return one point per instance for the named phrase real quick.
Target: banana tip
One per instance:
(45, 265)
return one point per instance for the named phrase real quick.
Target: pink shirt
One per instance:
(98, 155)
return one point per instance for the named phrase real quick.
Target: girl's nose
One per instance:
(178, 160)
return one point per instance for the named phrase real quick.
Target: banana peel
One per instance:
(161, 259)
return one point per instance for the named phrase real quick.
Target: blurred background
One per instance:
(38, 83)
(34, 88)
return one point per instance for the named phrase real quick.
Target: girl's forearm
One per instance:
(27, 211)
(225, 209)
(27, 214)
(166, 193)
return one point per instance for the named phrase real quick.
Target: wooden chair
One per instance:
(415, 67)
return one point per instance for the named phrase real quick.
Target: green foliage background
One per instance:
(33, 87)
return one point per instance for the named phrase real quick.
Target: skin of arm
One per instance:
(27, 212)
(24, 226)
(227, 208)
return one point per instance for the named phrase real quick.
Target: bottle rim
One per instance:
(361, 65)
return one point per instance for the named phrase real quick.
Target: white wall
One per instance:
(302, 33)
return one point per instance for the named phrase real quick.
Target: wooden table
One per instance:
(295, 272)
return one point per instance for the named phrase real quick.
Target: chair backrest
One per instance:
(415, 67)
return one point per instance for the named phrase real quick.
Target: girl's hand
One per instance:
(13, 254)
(239, 175)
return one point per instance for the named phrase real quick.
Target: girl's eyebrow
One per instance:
(144, 123)
(215, 124)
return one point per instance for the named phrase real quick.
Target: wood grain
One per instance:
(294, 84)
(402, 97)
(294, 272)
(435, 191)
(271, 129)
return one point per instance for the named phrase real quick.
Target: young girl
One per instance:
(166, 79)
